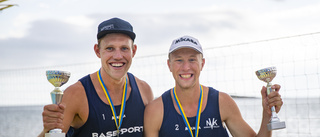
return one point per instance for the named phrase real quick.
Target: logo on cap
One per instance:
(185, 42)
(186, 39)
(108, 27)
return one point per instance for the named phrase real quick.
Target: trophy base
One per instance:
(276, 125)
(55, 135)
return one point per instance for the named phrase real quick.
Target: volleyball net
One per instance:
(228, 68)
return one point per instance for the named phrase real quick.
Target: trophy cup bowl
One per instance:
(57, 78)
(267, 75)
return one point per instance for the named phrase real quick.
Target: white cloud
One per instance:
(17, 28)
(43, 5)
(80, 21)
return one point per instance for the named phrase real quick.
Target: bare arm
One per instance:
(231, 115)
(153, 117)
(52, 116)
(273, 99)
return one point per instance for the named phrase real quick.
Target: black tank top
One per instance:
(100, 122)
(210, 120)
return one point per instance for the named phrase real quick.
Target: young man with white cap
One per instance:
(110, 101)
(194, 110)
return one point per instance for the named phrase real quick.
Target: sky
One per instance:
(38, 33)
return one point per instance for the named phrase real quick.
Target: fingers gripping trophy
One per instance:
(57, 79)
(267, 75)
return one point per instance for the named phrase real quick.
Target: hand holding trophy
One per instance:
(267, 75)
(57, 79)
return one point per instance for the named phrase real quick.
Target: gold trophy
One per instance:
(267, 75)
(57, 78)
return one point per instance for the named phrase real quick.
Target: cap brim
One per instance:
(103, 33)
(185, 46)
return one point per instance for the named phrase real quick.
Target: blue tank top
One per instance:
(210, 120)
(100, 122)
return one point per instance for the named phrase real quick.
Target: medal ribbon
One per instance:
(184, 115)
(123, 103)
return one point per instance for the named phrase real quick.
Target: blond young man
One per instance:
(92, 106)
(186, 109)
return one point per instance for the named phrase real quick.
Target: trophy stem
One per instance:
(274, 122)
(56, 95)
(269, 90)
(273, 109)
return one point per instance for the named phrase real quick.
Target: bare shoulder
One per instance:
(75, 97)
(224, 98)
(227, 105)
(74, 90)
(155, 106)
(153, 117)
(145, 91)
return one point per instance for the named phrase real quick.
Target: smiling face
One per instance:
(116, 51)
(186, 65)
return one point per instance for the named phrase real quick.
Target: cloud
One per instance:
(70, 39)
(156, 31)
(47, 42)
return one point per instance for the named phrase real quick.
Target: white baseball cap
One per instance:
(185, 42)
